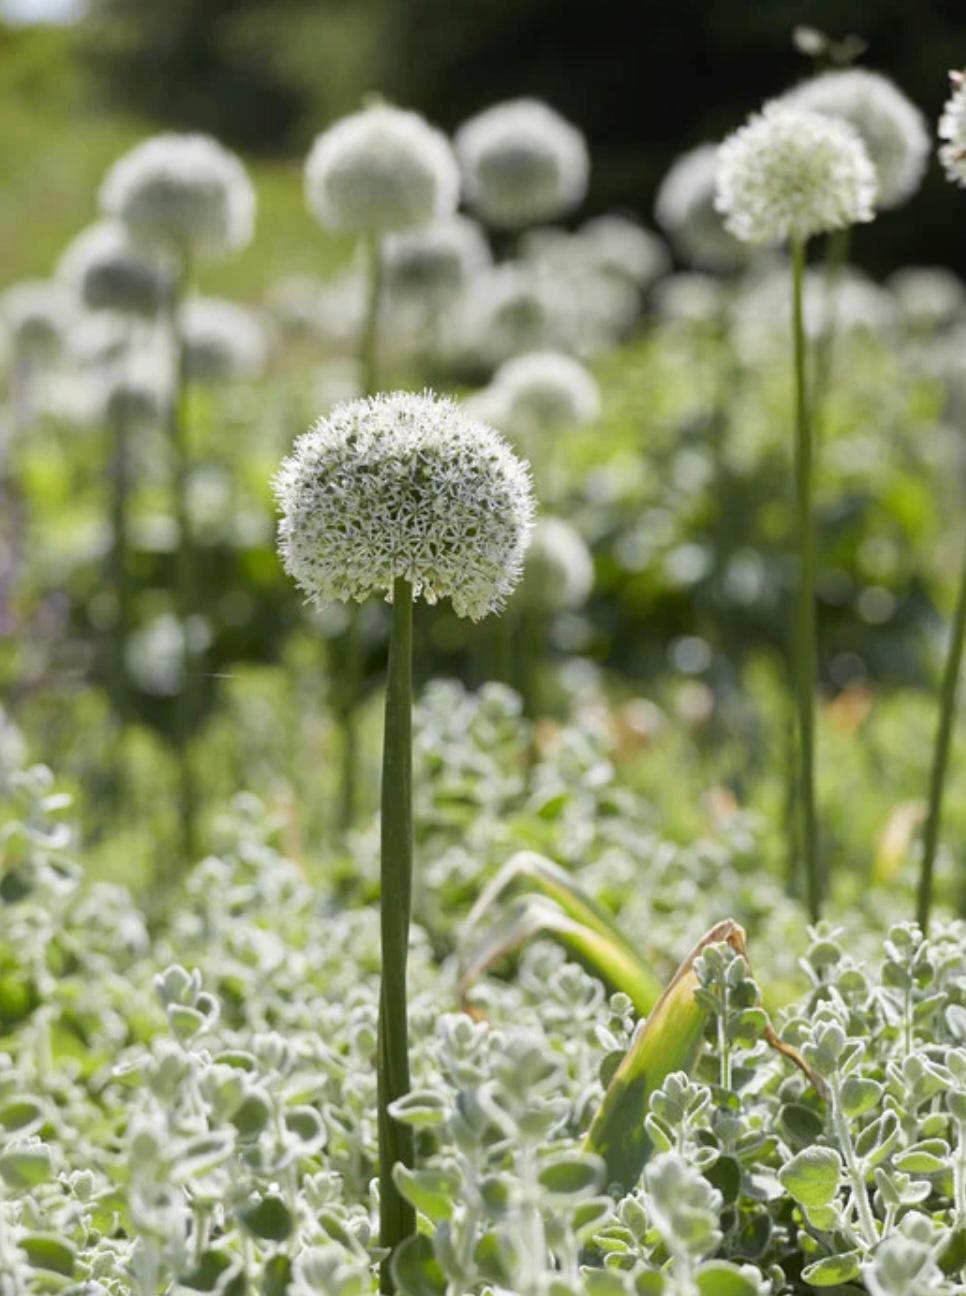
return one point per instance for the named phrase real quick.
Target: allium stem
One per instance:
(838, 245)
(940, 759)
(397, 1218)
(118, 568)
(806, 656)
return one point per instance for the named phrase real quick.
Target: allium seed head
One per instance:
(622, 248)
(434, 262)
(37, 315)
(109, 272)
(952, 131)
(546, 391)
(891, 126)
(381, 169)
(559, 572)
(791, 173)
(404, 485)
(182, 193)
(685, 209)
(222, 341)
(522, 163)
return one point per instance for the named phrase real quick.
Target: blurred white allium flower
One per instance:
(952, 131)
(929, 297)
(97, 337)
(408, 486)
(222, 340)
(891, 126)
(685, 209)
(559, 571)
(138, 388)
(381, 169)
(689, 297)
(432, 263)
(791, 173)
(597, 307)
(620, 247)
(522, 163)
(184, 194)
(511, 308)
(857, 306)
(108, 271)
(546, 391)
(295, 302)
(37, 315)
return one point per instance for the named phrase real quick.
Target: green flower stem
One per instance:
(397, 1219)
(118, 567)
(837, 249)
(806, 655)
(184, 569)
(940, 760)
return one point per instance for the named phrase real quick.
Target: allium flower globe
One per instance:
(37, 315)
(522, 163)
(184, 194)
(511, 308)
(790, 174)
(404, 486)
(221, 340)
(547, 391)
(685, 209)
(434, 262)
(138, 389)
(929, 297)
(109, 272)
(381, 169)
(559, 572)
(620, 247)
(689, 298)
(952, 132)
(891, 126)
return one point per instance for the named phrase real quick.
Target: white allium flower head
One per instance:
(404, 486)
(37, 315)
(685, 209)
(182, 193)
(597, 307)
(952, 131)
(138, 388)
(547, 391)
(381, 169)
(859, 306)
(511, 308)
(222, 340)
(622, 248)
(689, 297)
(108, 271)
(791, 173)
(929, 297)
(522, 163)
(434, 262)
(892, 127)
(559, 572)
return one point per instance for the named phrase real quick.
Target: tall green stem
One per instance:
(837, 249)
(806, 655)
(118, 574)
(396, 1217)
(940, 758)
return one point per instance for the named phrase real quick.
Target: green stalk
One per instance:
(118, 573)
(805, 621)
(837, 248)
(184, 563)
(397, 1219)
(940, 760)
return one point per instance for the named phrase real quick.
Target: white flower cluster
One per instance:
(685, 209)
(37, 315)
(138, 389)
(891, 126)
(109, 272)
(598, 307)
(511, 307)
(545, 391)
(222, 340)
(622, 248)
(435, 262)
(378, 170)
(182, 193)
(559, 572)
(929, 297)
(790, 173)
(404, 485)
(522, 163)
(689, 297)
(952, 131)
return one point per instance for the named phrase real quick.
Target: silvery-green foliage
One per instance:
(183, 194)
(379, 170)
(790, 174)
(559, 571)
(522, 163)
(221, 340)
(37, 316)
(685, 209)
(891, 126)
(952, 132)
(404, 486)
(108, 271)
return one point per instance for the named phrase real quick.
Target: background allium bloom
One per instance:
(380, 169)
(109, 272)
(929, 297)
(621, 247)
(435, 261)
(791, 173)
(559, 572)
(37, 315)
(184, 193)
(222, 340)
(952, 131)
(138, 388)
(892, 127)
(408, 486)
(522, 163)
(546, 391)
(685, 209)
